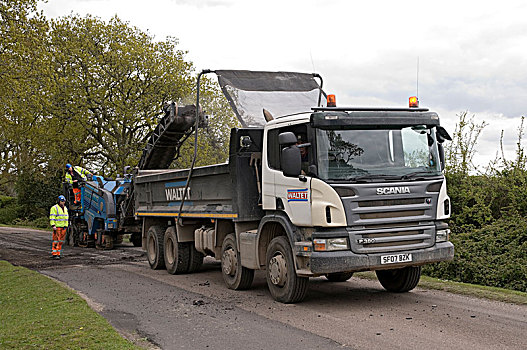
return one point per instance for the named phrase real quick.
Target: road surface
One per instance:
(197, 311)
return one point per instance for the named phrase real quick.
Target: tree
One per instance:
(111, 81)
(24, 81)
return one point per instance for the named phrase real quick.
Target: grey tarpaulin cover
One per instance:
(281, 93)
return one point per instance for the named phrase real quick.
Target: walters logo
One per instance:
(174, 191)
(297, 195)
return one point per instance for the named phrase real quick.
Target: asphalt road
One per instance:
(197, 311)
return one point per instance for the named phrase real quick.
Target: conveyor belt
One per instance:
(164, 143)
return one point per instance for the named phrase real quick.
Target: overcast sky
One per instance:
(472, 55)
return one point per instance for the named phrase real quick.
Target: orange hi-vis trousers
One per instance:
(77, 194)
(58, 239)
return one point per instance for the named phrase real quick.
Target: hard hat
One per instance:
(62, 198)
(68, 166)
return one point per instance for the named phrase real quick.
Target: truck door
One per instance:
(291, 194)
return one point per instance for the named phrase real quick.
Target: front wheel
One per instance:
(283, 283)
(399, 280)
(234, 274)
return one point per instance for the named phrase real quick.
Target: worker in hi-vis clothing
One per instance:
(58, 219)
(74, 174)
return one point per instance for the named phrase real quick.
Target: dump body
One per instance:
(222, 191)
(210, 195)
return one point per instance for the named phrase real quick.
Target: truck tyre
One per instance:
(339, 276)
(136, 240)
(234, 274)
(177, 255)
(283, 283)
(73, 235)
(196, 258)
(399, 280)
(155, 247)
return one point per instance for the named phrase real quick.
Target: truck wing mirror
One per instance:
(291, 161)
(442, 135)
(286, 138)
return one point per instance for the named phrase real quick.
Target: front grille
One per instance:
(390, 202)
(391, 214)
(392, 244)
(391, 234)
(391, 224)
(391, 239)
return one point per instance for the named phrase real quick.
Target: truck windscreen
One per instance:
(407, 152)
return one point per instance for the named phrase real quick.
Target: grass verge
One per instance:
(37, 312)
(491, 293)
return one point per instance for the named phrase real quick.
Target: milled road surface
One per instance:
(198, 312)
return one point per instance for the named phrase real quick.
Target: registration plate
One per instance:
(396, 258)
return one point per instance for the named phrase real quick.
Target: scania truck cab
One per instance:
(367, 193)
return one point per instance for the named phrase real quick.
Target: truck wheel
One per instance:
(339, 276)
(104, 241)
(283, 283)
(399, 280)
(83, 240)
(136, 240)
(234, 274)
(72, 234)
(196, 259)
(177, 255)
(154, 247)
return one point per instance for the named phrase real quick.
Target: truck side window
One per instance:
(273, 149)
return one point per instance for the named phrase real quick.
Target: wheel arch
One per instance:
(271, 226)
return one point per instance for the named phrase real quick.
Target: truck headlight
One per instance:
(330, 244)
(442, 235)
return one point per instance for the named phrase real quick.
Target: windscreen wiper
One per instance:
(374, 176)
(410, 175)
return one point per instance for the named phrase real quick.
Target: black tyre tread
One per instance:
(297, 285)
(245, 280)
(72, 233)
(182, 260)
(196, 258)
(301, 290)
(399, 280)
(159, 233)
(339, 276)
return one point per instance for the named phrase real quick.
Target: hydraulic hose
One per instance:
(196, 126)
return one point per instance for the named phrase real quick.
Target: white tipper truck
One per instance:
(307, 191)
